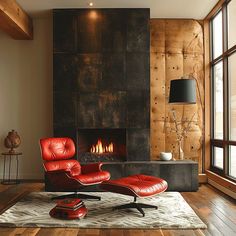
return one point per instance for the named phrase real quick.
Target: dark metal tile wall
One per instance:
(101, 74)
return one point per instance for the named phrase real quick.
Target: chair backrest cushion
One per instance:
(55, 149)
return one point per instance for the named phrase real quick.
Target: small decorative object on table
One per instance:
(69, 209)
(165, 156)
(12, 141)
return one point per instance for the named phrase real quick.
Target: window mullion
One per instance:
(225, 91)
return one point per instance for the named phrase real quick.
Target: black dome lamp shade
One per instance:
(182, 91)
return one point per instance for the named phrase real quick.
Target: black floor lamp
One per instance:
(183, 92)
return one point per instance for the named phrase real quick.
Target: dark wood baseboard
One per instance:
(30, 180)
(202, 178)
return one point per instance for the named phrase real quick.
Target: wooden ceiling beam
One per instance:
(14, 20)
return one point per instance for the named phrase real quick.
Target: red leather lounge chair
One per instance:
(65, 174)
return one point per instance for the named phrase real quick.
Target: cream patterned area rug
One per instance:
(173, 213)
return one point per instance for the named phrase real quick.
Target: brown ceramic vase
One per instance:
(12, 141)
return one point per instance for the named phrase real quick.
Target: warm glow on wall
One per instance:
(93, 15)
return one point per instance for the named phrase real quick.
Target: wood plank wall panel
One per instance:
(176, 50)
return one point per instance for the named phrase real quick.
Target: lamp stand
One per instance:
(183, 91)
(181, 129)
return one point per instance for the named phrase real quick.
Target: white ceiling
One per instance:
(196, 9)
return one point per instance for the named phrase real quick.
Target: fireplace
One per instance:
(101, 84)
(105, 145)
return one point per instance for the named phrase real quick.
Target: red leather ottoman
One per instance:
(137, 186)
(69, 209)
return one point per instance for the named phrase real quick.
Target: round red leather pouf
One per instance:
(69, 209)
(68, 214)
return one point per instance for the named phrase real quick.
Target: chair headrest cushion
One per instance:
(53, 149)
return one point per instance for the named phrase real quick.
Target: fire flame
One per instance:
(99, 148)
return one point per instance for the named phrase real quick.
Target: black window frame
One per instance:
(226, 53)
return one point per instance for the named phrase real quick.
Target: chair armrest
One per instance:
(90, 168)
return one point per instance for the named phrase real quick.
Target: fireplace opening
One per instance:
(105, 145)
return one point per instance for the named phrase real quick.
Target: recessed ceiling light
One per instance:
(91, 4)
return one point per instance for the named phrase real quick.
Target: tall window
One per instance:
(223, 80)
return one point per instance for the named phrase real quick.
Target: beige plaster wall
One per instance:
(26, 94)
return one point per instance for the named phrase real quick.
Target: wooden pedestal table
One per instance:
(7, 176)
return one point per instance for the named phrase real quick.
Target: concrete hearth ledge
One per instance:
(180, 175)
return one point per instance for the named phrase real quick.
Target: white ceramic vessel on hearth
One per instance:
(165, 156)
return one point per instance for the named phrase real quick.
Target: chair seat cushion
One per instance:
(92, 178)
(136, 185)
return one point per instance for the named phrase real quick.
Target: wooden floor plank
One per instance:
(51, 232)
(71, 232)
(30, 232)
(227, 205)
(7, 231)
(205, 215)
(14, 231)
(3, 187)
(178, 232)
(10, 195)
(157, 232)
(89, 232)
(200, 232)
(217, 195)
(217, 210)
(102, 232)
